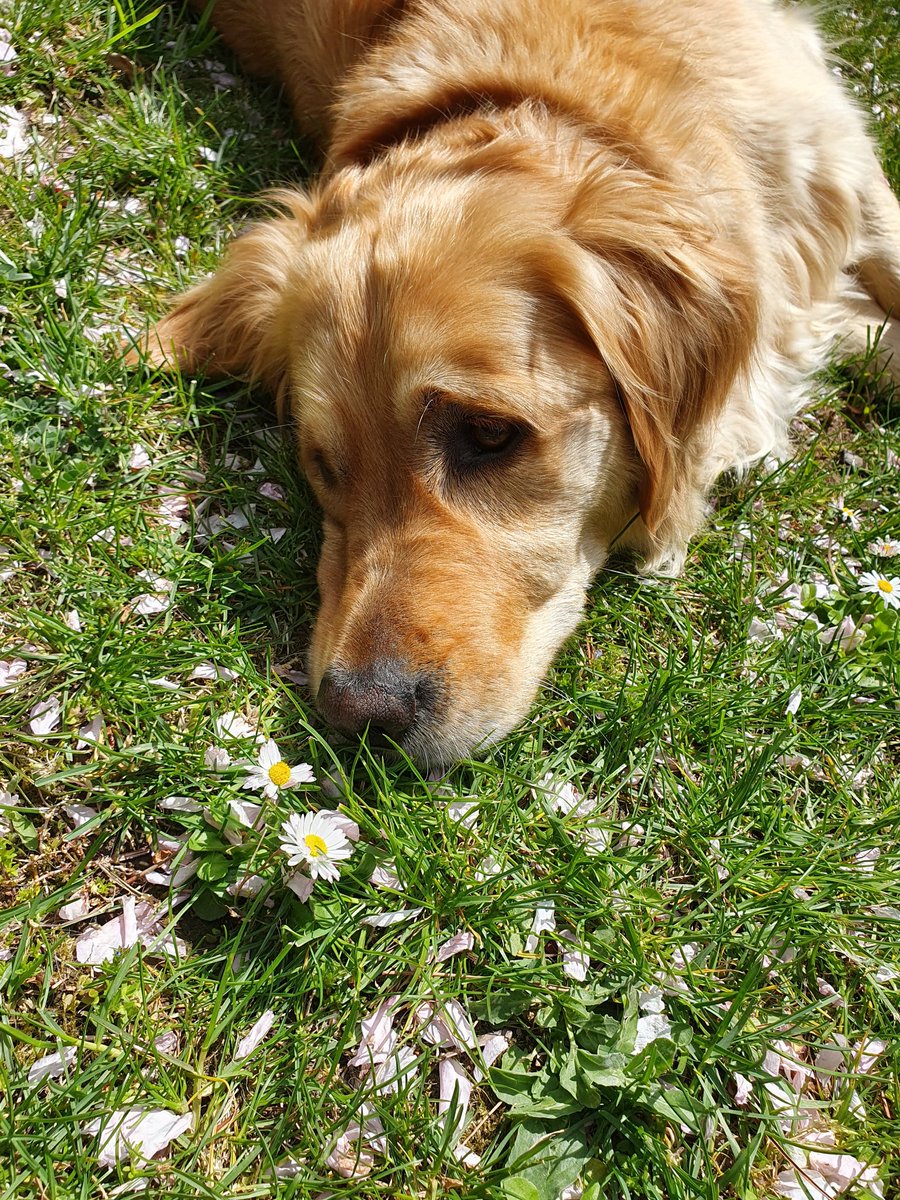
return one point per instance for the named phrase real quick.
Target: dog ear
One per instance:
(669, 306)
(229, 324)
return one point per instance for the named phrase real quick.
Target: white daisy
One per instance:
(271, 774)
(884, 547)
(879, 585)
(316, 840)
(846, 515)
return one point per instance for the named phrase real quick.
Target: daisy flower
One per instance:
(846, 515)
(879, 585)
(316, 840)
(271, 774)
(884, 547)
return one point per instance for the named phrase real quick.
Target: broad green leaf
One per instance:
(519, 1189)
(205, 839)
(550, 1159)
(676, 1104)
(502, 1003)
(24, 830)
(213, 867)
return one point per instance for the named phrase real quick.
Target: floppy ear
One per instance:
(230, 323)
(670, 307)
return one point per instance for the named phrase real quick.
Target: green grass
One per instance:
(720, 858)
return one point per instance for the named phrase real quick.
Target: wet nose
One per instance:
(381, 696)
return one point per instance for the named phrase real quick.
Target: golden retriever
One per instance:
(566, 262)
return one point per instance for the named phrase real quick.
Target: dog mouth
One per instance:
(392, 704)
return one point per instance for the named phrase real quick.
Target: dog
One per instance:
(567, 261)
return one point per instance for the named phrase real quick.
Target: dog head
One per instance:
(488, 372)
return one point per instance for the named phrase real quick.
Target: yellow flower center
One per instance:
(886, 586)
(279, 773)
(315, 845)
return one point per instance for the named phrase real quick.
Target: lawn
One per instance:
(648, 948)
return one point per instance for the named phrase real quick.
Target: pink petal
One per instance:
(348, 828)
(492, 1046)
(75, 910)
(45, 716)
(79, 814)
(51, 1066)
(384, 920)
(377, 1036)
(300, 885)
(455, 1091)
(136, 1133)
(386, 877)
(259, 1030)
(458, 944)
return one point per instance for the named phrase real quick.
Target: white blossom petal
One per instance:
(396, 1071)
(743, 1089)
(377, 1036)
(233, 725)
(89, 733)
(544, 922)
(138, 458)
(75, 910)
(458, 944)
(11, 671)
(386, 876)
(51, 1066)
(348, 828)
(385, 920)
(300, 885)
(180, 804)
(216, 758)
(45, 716)
(139, 1133)
(79, 814)
(258, 1031)
(209, 670)
(455, 1092)
(575, 960)
(649, 1029)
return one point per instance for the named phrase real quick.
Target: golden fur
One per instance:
(566, 262)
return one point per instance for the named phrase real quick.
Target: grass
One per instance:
(729, 854)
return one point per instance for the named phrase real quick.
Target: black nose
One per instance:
(382, 695)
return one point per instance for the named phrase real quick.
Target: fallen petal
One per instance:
(348, 828)
(385, 876)
(455, 1091)
(180, 804)
(51, 1066)
(79, 814)
(396, 1071)
(258, 1031)
(89, 733)
(458, 944)
(136, 1133)
(247, 885)
(300, 885)
(492, 1046)
(649, 1029)
(45, 716)
(743, 1089)
(384, 920)
(75, 910)
(377, 1036)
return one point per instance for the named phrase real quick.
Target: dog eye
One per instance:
(322, 469)
(489, 437)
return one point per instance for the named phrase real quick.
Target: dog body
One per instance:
(567, 261)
